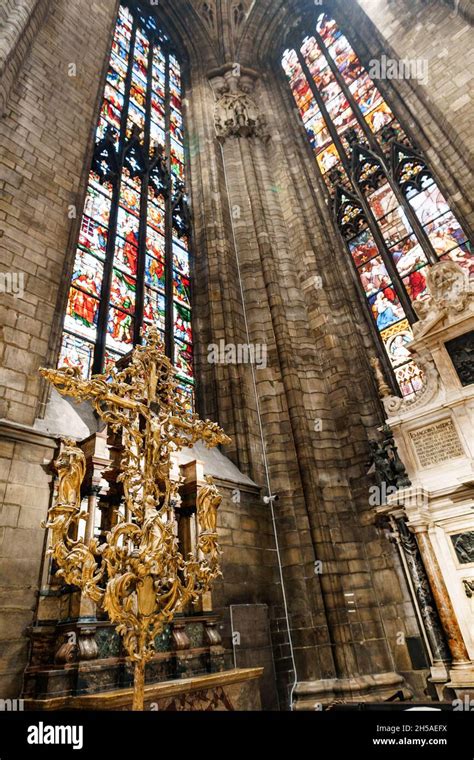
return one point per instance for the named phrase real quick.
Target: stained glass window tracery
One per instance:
(132, 265)
(389, 209)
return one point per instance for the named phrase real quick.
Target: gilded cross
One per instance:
(138, 575)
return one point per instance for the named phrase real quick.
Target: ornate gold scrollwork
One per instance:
(138, 575)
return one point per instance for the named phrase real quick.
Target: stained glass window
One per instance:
(389, 209)
(132, 265)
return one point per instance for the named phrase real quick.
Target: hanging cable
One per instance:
(270, 498)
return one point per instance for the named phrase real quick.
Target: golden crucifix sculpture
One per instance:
(138, 575)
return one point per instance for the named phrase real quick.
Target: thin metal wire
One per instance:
(264, 453)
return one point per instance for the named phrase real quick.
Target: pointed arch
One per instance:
(132, 264)
(365, 157)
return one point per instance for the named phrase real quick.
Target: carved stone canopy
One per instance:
(236, 112)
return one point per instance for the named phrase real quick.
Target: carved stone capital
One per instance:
(236, 113)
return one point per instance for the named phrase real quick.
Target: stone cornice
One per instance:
(11, 431)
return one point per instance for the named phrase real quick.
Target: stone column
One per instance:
(322, 538)
(422, 591)
(416, 506)
(442, 599)
(241, 130)
(22, 23)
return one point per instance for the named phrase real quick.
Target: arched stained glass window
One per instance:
(388, 206)
(132, 261)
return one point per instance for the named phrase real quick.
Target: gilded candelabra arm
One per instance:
(198, 430)
(111, 401)
(60, 521)
(131, 475)
(80, 568)
(119, 605)
(68, 382)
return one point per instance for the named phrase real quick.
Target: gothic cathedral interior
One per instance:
(236, 354)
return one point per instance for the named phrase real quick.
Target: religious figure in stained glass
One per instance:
(395, 223)
(135, 225)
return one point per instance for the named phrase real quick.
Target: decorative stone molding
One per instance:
(450, 302)
(394, 404)
(241, 681)
(207, 11)
(88, 648)
(12, 431)
(239, 12)
(236, 11)
(309, 695)
(236, 112)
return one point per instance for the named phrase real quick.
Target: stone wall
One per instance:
(25, 495)
(46, 138)
(250, 582)
(46, 135)
(20, 24)
(441, 36)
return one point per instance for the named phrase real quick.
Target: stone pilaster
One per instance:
(20, 22)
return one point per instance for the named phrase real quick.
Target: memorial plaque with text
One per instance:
(437, 443)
